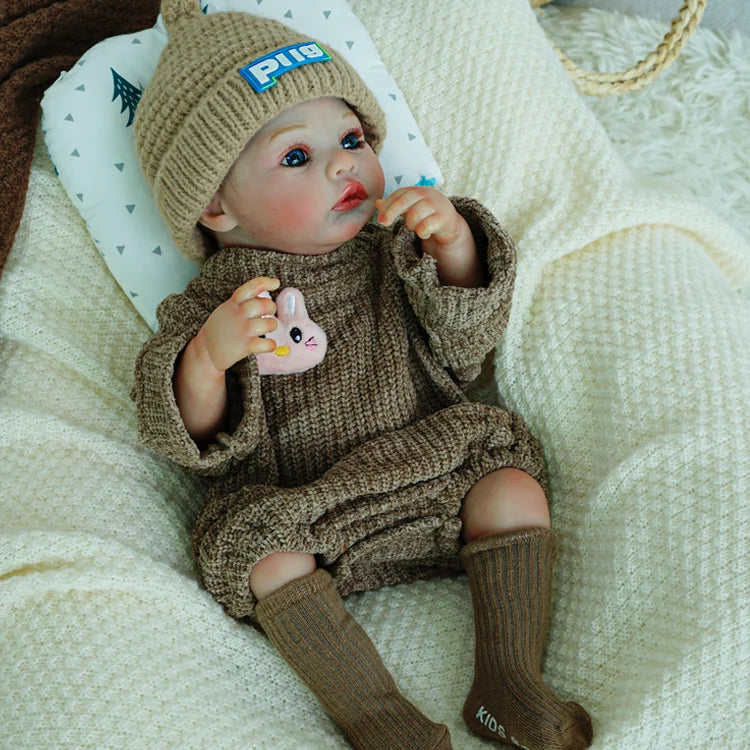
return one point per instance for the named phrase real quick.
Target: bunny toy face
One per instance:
(300, 342)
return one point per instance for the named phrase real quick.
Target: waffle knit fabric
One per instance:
(364, 459)
(198, 111)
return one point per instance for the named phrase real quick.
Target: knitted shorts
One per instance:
(386, 513)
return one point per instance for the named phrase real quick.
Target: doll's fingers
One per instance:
(259, 345)
(437, 227)
(256, 307)
(254, 287)
(397, 204)
(421, 218)
(260, 326)
(425, 229)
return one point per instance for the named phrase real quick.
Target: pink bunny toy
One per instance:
(300, 342)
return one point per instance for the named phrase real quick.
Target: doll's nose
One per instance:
(342, 162)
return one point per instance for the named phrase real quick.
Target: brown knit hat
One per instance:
(220, 78)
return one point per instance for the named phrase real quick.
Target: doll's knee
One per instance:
(278, 569)
(503, 500)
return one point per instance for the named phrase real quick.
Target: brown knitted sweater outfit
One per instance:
(363, 460)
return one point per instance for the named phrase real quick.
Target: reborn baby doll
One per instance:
(342, 452)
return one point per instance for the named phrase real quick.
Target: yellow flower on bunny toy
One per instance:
(300, 342)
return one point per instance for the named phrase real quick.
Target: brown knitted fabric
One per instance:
(309, 625)
(363, 460)
(510, 576)
(38, 40)
(198, 112)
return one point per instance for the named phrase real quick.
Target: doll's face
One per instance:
(305, 183)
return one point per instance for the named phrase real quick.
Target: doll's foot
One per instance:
(525, 713)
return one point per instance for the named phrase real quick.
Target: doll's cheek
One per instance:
(294, 211)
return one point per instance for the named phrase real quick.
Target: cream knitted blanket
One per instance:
(627, 353)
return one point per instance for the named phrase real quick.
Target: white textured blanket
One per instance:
(627, 352)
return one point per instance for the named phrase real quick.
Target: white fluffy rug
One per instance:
(690, 127)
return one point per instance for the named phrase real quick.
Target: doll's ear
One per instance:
(215, 217)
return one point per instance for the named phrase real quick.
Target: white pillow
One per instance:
(87, 117)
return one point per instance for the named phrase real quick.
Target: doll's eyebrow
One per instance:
(287, 129)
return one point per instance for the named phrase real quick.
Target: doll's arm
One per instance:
(200, 390)
(161, 424)
(234, 330)
(463, 324)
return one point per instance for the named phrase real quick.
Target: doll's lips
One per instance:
(352, 196)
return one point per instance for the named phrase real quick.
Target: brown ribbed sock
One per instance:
(510, 576)
(307, 622)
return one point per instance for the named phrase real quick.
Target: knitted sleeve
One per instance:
(160, 425)
(462, 324)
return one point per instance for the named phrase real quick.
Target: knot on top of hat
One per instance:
(175, 12)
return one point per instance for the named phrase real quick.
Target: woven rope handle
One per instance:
(601, 84)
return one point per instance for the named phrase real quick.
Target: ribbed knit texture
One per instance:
(307, 622)
(197, 112)
(510, 576)
(364, 459)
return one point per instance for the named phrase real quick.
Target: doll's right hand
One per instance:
(234, 329)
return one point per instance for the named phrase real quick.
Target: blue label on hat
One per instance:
(262, 73)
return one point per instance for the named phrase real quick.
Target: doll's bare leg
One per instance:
(508, 557)
(504, 500)
(304, 617)
(277, 570)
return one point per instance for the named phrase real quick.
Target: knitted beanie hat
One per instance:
(220, 78)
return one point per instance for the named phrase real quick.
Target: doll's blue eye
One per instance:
(350, 140)
(295, 158)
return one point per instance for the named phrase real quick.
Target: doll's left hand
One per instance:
(428, 213)
(443, 232)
